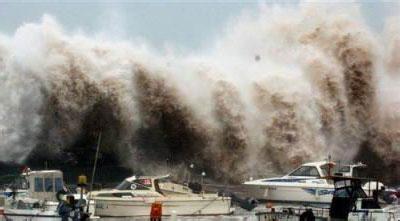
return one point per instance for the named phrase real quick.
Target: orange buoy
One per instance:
(156, 211)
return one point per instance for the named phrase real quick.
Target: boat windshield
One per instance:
(325, 170)
(139, 184)
(311, 171)
(165, 180)
(20, 183)
(344, 169)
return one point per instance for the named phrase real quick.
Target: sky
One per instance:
(188, 25)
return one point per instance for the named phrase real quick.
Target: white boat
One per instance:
(136, 195)
(33, 196)
(306, 184)
(350, 202)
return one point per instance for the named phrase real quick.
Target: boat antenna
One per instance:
(93, 171)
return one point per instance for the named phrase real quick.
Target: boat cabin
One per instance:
(145, 185)
(350, 197)
(314, 169)
(327, 168)
(355, 170)
(44, 184)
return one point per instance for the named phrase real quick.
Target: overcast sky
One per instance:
(185, 24)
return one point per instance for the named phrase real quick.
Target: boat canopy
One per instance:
(44, 184)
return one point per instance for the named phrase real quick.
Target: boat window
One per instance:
(123, 194)
(24, 184)
(151, 194)
(20, 183)
(359, 193)
(48, 184)
(306, 171)
(325, 170)
(349, 190)
(344, 169)
(342, 183)
(359, 172)
(125, 185)
(341, 193)
(58, 183)
(144, 182)
(38, 184)
(26, 205)
(134, 185)
(165, 180)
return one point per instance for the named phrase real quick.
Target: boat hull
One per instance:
(33, 215)
(47, 213)
(180, 206)
(291, 194)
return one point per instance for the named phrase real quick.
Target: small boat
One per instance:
(36, 195)
(136, 195)
(305, 185)
(350, 202)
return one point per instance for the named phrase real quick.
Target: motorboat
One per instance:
(350, 202)
(136, 195)
(305, 185)
(36, 195)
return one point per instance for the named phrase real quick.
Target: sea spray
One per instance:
(286, 86)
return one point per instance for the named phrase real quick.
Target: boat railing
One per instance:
(285, 213)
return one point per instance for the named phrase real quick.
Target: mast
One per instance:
(94, 170)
